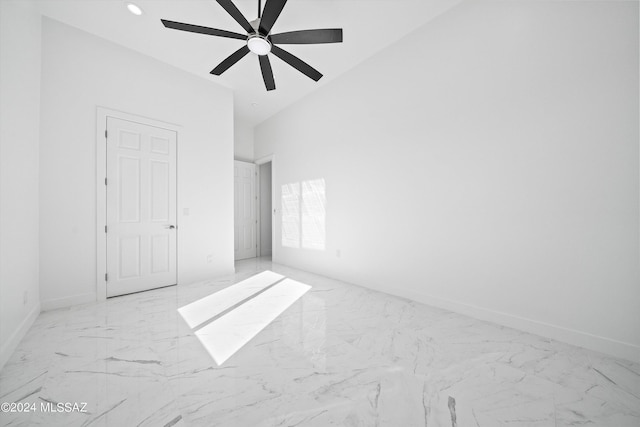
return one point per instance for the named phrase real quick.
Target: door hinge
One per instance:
(105, 228)
(105, 181)
(106, 277)
(105, 133)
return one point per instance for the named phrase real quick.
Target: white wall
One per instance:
(19, 117)
(265, 209)
(242, 141)
(487, 163)
(82, 72)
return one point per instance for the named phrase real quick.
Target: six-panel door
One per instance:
(141, 207)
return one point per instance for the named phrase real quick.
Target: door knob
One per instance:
(170, 227)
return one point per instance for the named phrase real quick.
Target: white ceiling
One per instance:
(368, 25)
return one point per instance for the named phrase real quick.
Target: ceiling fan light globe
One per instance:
(259, 45)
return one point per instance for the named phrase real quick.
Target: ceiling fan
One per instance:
(260, 41)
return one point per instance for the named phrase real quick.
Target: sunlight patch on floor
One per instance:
(204, 309)
(229, 332)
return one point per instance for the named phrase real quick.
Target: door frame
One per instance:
(102, 113)
(259, 162)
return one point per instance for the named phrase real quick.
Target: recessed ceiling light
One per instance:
(134, 8)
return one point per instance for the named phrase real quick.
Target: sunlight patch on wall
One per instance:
(291, 215)
(304, 214)
(313, 214)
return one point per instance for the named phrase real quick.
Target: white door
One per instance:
(245, 213)
(141, 207)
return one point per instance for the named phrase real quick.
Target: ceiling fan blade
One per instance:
(231, 59)
(202, 30)
(236, 14)
(269, 15)
(296, 63)
(329, 35)
(267, 73)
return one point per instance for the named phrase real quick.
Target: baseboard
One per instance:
(52, 304)
(187, 279)
(12, 343)
(608, 346)
(597, 343)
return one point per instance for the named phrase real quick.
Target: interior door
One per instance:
(141, 207)
(245, 211)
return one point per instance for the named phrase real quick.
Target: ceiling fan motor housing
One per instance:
(255, 24)
(258, 44)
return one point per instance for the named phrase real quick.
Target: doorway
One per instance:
(137, 204)
(253, 209)
(245, 223)
(265, 210)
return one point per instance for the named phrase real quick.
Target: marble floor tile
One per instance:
(337, 355)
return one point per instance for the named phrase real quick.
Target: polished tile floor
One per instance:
(338, 355)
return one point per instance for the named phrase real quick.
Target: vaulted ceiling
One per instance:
(369, 26)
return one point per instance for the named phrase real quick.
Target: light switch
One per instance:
(185, 211)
